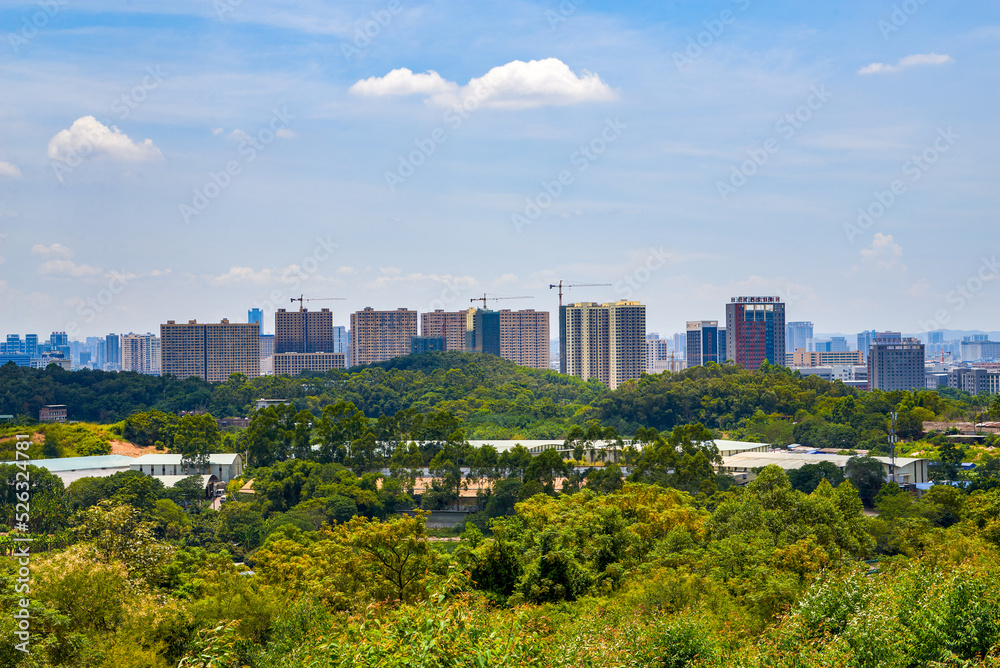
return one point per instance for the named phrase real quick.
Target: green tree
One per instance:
(867, 476)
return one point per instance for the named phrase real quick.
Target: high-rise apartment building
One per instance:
(292, 364)
(722, 345)
(755, 331)
(210, 351)
(603, 341)
(524, 337)
(798, 335)
(342, 343)
(454, 327)
(113, 352)
(256, 315)
(377, 336)
(895, 363)
(485, 332)
(702, 342)
(303, 331)
(140, 353)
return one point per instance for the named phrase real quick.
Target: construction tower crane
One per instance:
(301, 299)
(569, 285)
(486, 298)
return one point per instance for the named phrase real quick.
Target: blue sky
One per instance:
(190, 160)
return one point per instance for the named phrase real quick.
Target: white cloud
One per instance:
(516, 85)
(9, 170)
(403, 81)
(237, 275)
(907, 61)
(89, 137)
(55, 250)
(68, 268)
(921, 289)
(239, 135)
(346, 270)
(885, 255)
(217, 131)
(285, 133)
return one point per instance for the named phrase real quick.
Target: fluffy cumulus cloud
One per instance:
(55, 250)
(885, 255)
(908, 61)
(68, 269)
(9, 170)
(88, 137)
(516, 85)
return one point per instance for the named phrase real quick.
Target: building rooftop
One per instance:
(172, 480)
(81, 463)
(795, 460)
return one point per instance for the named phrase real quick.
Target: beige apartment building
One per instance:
(303, 331)
(452, 326)
(292, 364)
(603, 341)
(802, 357)
(377, 336)
(210, 351)
(524, 337)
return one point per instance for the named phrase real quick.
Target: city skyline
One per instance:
(191, 160)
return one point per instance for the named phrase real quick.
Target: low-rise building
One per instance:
(908, 470)
(224, 466)
(52, 413)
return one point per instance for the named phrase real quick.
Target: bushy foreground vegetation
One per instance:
(646, 575)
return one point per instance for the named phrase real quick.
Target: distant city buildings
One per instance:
(604, 341)
(426, 344)
(980, 349)
(702, 342)
(895, 363)
(797, 336)
(211, 352)
(377, 336)
(826, 358)
(755, 331)
(658, 356)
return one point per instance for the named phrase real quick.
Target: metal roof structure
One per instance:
(67, 464)
(220, 459)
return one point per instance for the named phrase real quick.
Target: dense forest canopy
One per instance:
(494, 398)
